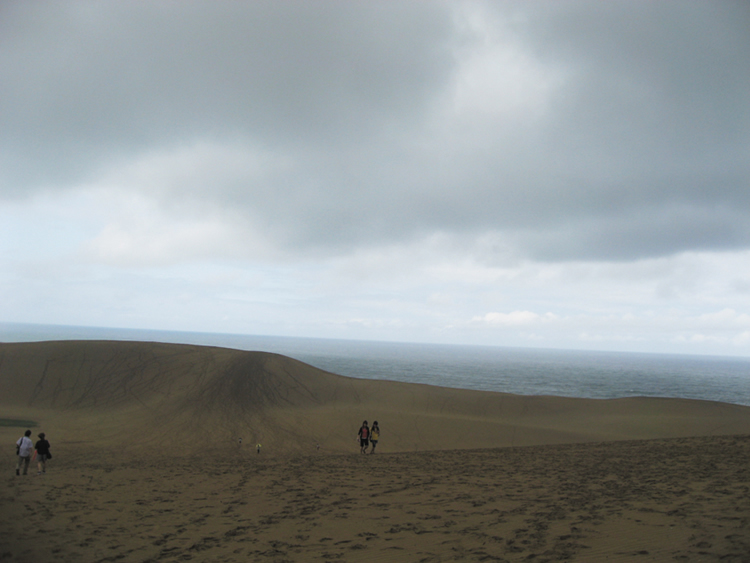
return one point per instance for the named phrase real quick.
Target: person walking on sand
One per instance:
(374, 436)
(24, 447)
(42, 454)
(364, 437)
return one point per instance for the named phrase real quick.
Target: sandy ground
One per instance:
(148, 466)
(680, 499)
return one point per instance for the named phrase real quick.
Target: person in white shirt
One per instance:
(25, 449)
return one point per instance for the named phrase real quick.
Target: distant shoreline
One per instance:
(522, 371)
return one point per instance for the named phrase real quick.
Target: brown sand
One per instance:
(148, 466)
(681, 499)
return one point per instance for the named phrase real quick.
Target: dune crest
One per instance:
(193, 399)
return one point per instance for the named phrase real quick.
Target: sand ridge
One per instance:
(191, 399)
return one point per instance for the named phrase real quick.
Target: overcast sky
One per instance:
(568, 174)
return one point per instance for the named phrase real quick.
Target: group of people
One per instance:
(25, 448)
(367, 436)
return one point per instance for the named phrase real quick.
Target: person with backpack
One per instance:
(42, 454)
(24, 448)
(374, 436)
(364, 437)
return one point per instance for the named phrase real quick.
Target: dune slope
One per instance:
(194, 399)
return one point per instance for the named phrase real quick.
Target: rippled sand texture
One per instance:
(659, 500)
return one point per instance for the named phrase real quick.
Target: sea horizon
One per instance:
(523, 371)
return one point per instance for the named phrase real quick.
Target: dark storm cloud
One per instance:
(654, 125)
(84, 81)
(636, 146)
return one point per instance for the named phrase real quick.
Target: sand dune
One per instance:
(191, 399)
(148, 466)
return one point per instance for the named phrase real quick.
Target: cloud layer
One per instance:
(459, 136)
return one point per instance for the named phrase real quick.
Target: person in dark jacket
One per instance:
(42, 454)
(364, 437)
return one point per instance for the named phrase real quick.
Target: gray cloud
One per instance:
(622, 131)
(86, 81)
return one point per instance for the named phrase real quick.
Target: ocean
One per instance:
(522, 371)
